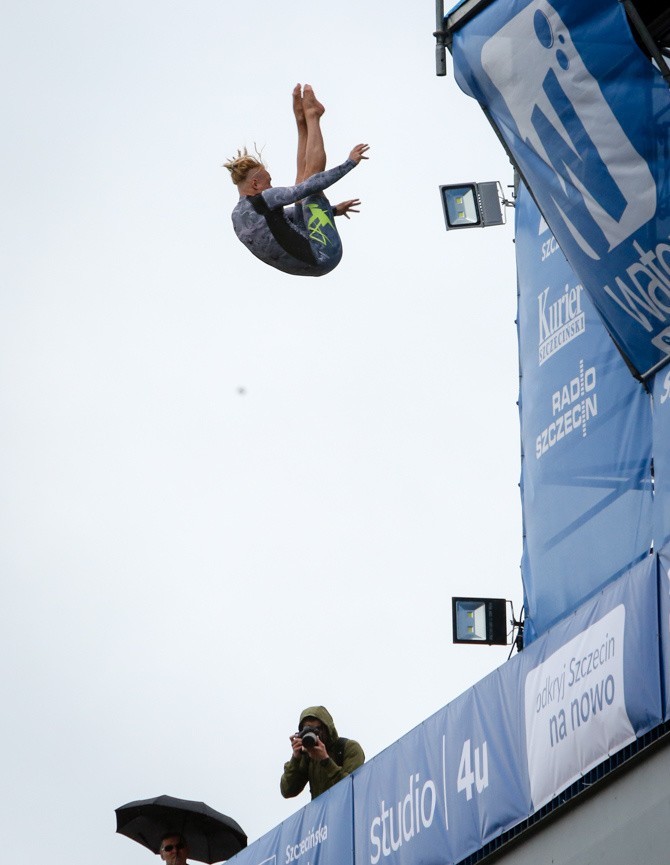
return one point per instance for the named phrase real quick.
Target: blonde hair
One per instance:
(241, 165)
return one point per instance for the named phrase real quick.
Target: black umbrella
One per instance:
(210, 836)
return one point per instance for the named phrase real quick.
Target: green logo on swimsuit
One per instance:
(317, 221)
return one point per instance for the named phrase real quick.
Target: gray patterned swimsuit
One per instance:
(301, 240)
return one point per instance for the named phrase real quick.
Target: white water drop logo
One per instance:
(605, 191)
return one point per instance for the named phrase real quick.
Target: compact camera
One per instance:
(309, 736)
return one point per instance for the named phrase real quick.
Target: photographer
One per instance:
(320, 756)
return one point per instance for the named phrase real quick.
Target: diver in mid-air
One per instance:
(301, 240)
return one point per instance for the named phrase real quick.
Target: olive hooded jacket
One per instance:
(345, 755)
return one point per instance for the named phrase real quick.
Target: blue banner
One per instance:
(583, 113)
(586, 436)
(321, 833)
(401, 807)
(664, 621)
(487, 761)
(661, 432)
(589, 692)
(661, 450)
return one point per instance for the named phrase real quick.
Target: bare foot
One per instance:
(298, 108)
(310, 102)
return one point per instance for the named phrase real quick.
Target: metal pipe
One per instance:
(440, 36)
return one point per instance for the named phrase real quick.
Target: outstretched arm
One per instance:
(280, 196)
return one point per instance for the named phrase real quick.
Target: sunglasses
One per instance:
(170, 847)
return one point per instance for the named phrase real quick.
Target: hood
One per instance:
(321, 714)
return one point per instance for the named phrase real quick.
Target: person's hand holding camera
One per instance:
(317, 751)
(307, 741)
(296, 744)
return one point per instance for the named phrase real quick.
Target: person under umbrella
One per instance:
(178, 829)
(174, 850)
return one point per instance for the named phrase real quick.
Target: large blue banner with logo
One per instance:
(583, 113)
(586, 436)
(584, 690)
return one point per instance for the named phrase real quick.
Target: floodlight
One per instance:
(471, 205)
(480, 620)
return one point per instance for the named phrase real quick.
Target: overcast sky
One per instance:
(227, 493)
